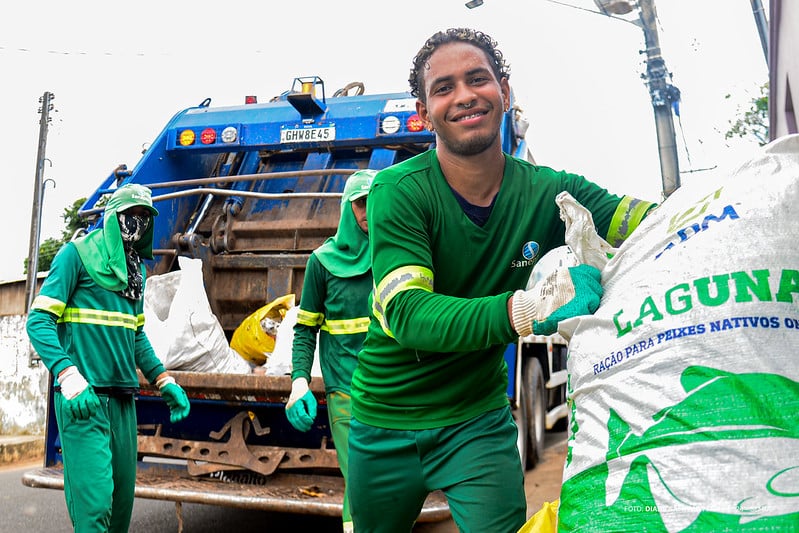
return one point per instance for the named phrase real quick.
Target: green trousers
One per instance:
(476, 464)
(99, 464)
(339, 414)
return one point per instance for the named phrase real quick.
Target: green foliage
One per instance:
(47, 251)
(754, 122)
(72, 220)
(50, 247)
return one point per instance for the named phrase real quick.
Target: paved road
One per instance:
(24, 509)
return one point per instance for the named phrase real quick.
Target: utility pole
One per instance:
(663, 95)
(36, 211)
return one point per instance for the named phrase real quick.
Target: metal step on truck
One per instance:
(251, 190)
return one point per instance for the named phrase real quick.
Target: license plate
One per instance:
(302, 135)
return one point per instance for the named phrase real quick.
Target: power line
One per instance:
(114, 53)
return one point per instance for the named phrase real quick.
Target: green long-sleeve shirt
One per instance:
(74, 321)
(338, 310)
(433, 354)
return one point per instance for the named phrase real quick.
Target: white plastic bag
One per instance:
(581, 236)
(279, 361)
(183, 330)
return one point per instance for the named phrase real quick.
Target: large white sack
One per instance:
(684, 385)
(183, 330)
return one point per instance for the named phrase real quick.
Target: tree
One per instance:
(73, 222)
(754, 122)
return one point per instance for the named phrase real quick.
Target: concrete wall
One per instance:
(23, 388)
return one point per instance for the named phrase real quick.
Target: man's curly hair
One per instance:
(466, 35)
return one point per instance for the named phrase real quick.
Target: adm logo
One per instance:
(529, 252)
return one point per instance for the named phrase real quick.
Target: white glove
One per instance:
(298, 389)
(301, 407)
(72, 382)
(566, 293)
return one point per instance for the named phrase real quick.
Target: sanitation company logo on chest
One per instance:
(530, 251)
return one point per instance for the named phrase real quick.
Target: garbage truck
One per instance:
(250, 190)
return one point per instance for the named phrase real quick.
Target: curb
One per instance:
(22, 449)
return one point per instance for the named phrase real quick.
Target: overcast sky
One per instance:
(121, 70)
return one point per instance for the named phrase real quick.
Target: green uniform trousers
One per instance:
(339, 414)
(99, 464)
(476, 464)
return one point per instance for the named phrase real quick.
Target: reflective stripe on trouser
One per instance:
(99, 464)
(339, 414)
(475, 463)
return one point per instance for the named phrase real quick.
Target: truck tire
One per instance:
(535, 409)
(520, 417)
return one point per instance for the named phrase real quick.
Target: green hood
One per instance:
(102, 250)
(346, 254)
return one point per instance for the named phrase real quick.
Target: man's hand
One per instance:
(175, 398)
(565, 293)
(84, 405)
(82, 402)
(301, 407)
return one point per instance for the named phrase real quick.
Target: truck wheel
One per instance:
(520, 417)
(535, 409)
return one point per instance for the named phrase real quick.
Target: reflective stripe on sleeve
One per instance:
(377, 310)
(306, 318)
(51, 305)
(629, 214)
(401, 279)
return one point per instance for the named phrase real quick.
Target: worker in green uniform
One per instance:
(334, 304)
(86, 324)
(455, 233)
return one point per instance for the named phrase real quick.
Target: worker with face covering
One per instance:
(334, 303)
(86, 324)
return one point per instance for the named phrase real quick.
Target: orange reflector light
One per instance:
(415, 123)
(186, 138)
(208, 136)
(307, 87)
(250, 99)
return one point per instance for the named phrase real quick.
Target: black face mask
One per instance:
(133, 227)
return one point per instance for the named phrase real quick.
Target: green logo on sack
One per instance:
(725, 458)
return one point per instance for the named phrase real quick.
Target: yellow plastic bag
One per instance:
(545, 520)
(254, 339)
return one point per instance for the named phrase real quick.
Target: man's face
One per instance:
(464, 100)
(359, 210)
(134, 222)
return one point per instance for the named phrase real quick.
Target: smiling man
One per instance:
(455, 233)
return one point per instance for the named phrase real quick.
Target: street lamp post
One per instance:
(662, 93)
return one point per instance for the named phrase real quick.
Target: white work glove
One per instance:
(301, 407)
(82, 402)
(72, 382)
(566, 293)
